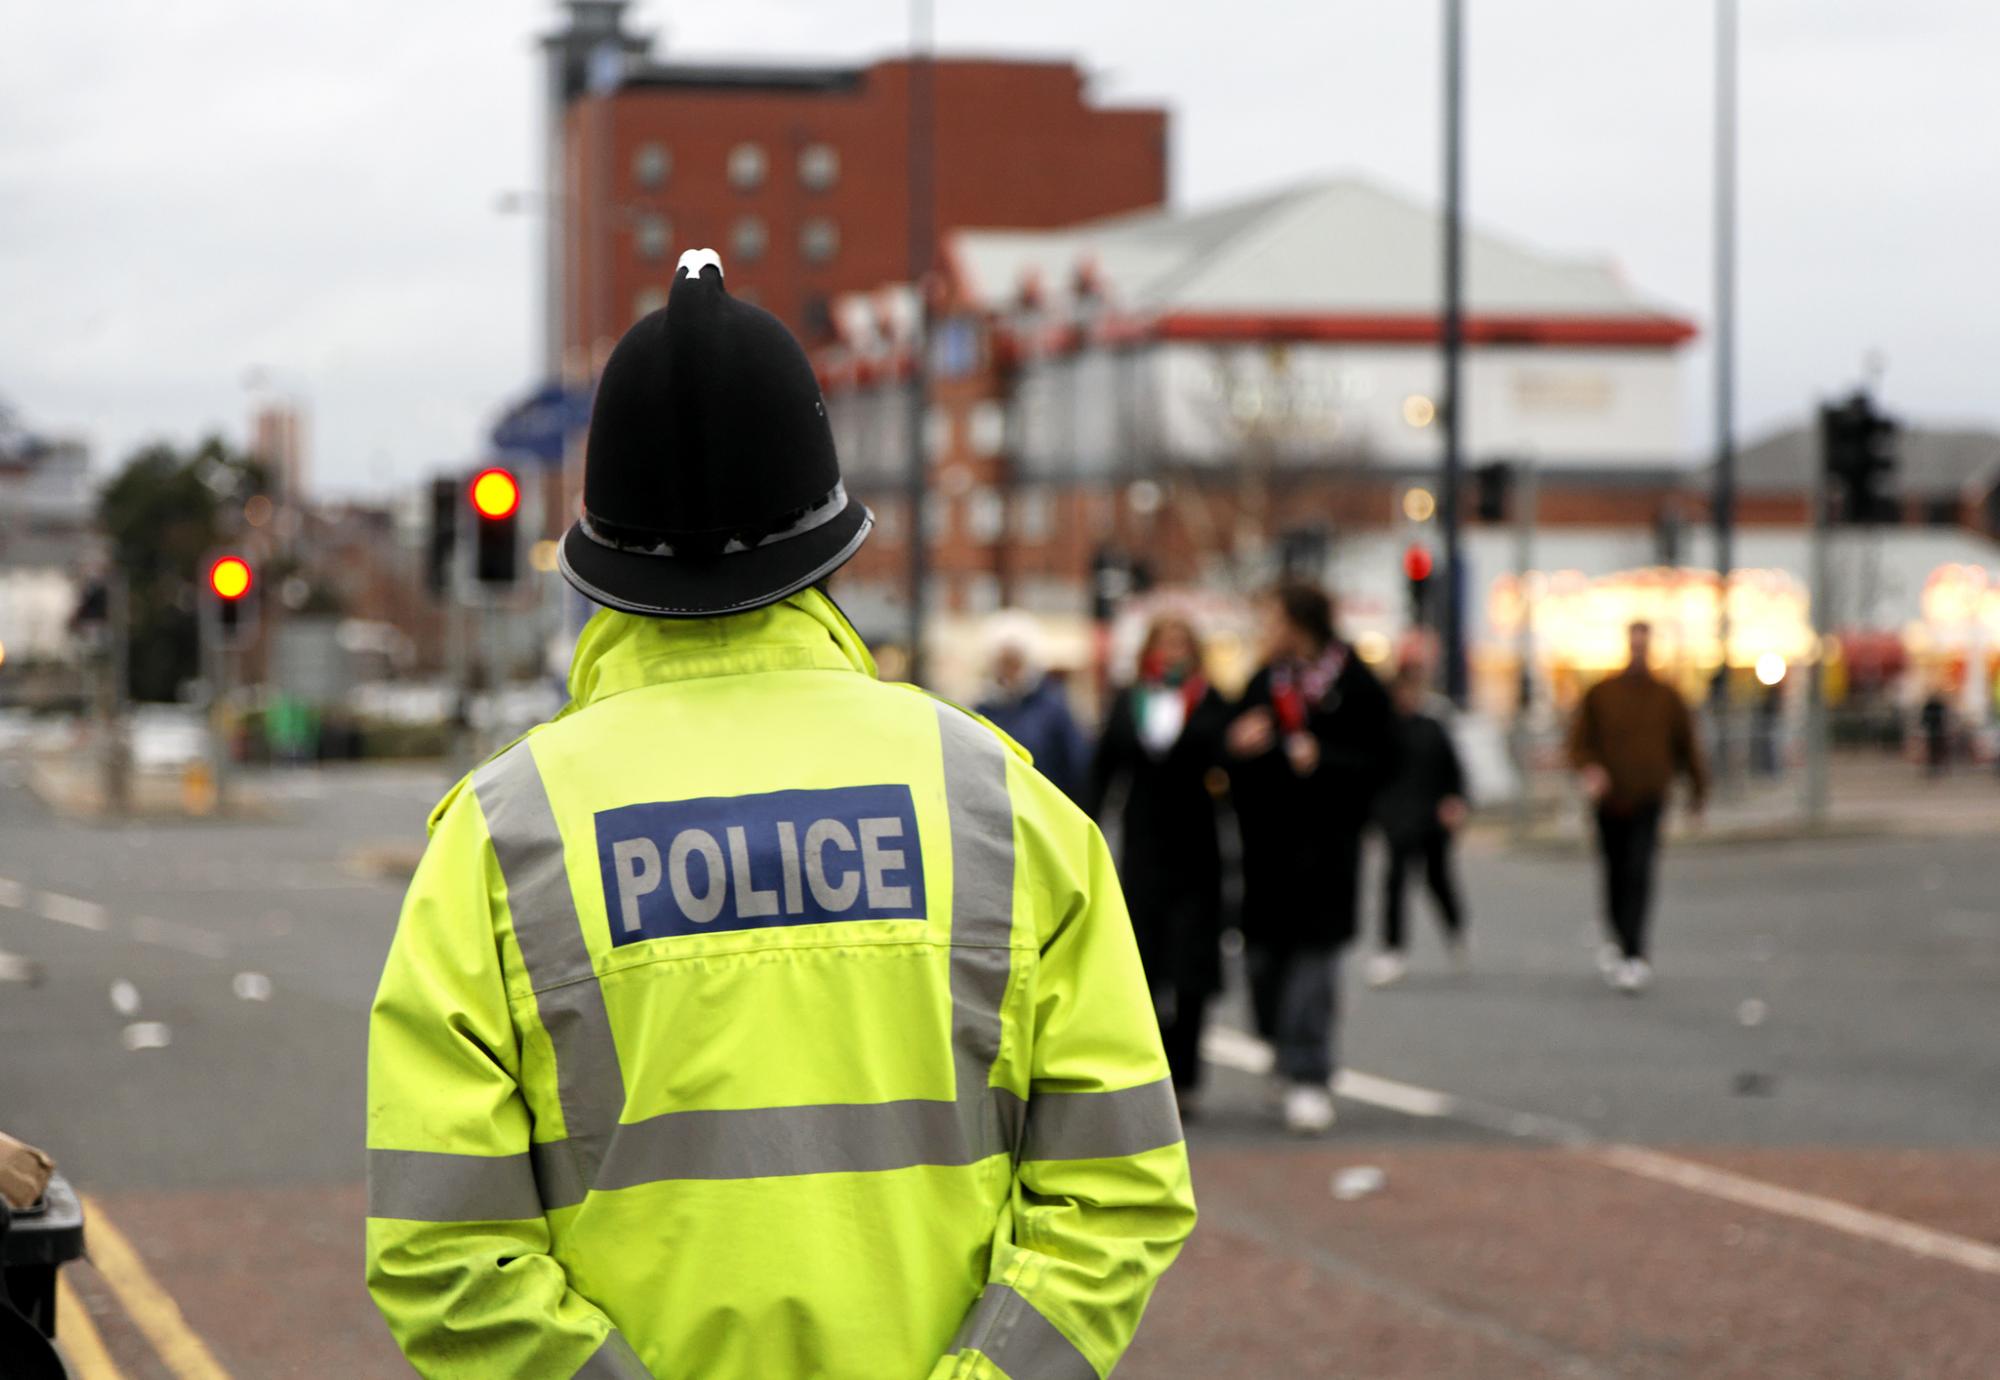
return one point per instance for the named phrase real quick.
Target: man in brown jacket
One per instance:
(1632, 735)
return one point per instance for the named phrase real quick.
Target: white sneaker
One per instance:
(1386, 969)
(1308, 1109)
(1635, 976)
(1610, 958)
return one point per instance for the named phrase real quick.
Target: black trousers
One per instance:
(1629, 841)
(1182, 1012)
(1295, 997)
(1431, 851)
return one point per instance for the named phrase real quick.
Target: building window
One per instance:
(819, 240)
(648, 301)
(987, 432)
(651, 166)
(653, 235)
(819, 166)
(747, 166)
(985, 516)
(748, 238)
(1034, 514)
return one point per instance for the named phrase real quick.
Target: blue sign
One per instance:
(749, 862)
(540, 425)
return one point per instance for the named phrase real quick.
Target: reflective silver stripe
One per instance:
(529, 847)
(1101, 1125)
(615, 1360)
(982, 921)
(1011, 1333)
(428, 1186)
(759, 1142)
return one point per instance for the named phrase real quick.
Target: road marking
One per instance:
(1231, 1048)
(12, 894)
(69, 910)
(172, 934)
(1806, 1207)
(14, 968)
(81, 1343)
(151, 1308)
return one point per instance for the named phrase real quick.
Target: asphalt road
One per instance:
(1816, 1079)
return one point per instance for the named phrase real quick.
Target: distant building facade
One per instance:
(797, 175)
(47, 510)
(1215, 394)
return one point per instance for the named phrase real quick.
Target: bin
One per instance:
(34, 1243)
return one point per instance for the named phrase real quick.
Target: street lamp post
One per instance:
(1725, 361)
(922, 231)
(1451, 332)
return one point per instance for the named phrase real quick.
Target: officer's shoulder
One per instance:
(451, 797)
(974, 715)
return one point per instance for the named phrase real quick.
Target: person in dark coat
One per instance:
(1029, 706)
(1419, 811)
(1311, 743)
(1162, 745)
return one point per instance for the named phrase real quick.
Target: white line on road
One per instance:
(69, 910)
(12, 894)
(1807, 1207)
(172, 934)
(1231, 1048)
(14, 968)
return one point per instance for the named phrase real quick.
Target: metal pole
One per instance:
(922, 231)
(1725, 366)
(1452, 330)
(117, 622)
(1822, 599)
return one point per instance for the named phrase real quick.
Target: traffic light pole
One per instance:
(215, 676)
(1452, 330)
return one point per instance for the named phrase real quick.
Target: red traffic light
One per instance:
(1417, 563)
(230, 578)
(495, 494)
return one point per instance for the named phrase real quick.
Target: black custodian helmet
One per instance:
(710, 483)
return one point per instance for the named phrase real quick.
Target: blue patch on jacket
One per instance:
(753, 861)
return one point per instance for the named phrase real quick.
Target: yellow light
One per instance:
(542, 556)
(1373, 646)
(1770, 668)
(495, 494)
(3, 653)
(230, 577)
(1419, 411)
(1419, 505)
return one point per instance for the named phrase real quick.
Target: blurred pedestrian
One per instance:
(751, 1018)
(1420, 810)
(1311, 743)
(1935, 720)
(1631, 736)
(1162, 745)
(1029, 706)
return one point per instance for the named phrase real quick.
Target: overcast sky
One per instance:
(193, 191)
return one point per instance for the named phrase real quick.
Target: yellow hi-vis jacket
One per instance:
(756, 1020)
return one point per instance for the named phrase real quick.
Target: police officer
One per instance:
(752, 1018)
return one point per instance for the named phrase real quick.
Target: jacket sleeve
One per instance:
(1583, 748)
(457, 1245)
(1109, 762)
(1102, 1198)
(1452, 768)
(1688, 755)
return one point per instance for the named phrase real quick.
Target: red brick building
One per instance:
(797, 175)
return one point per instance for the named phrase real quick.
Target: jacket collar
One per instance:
(622, 651)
